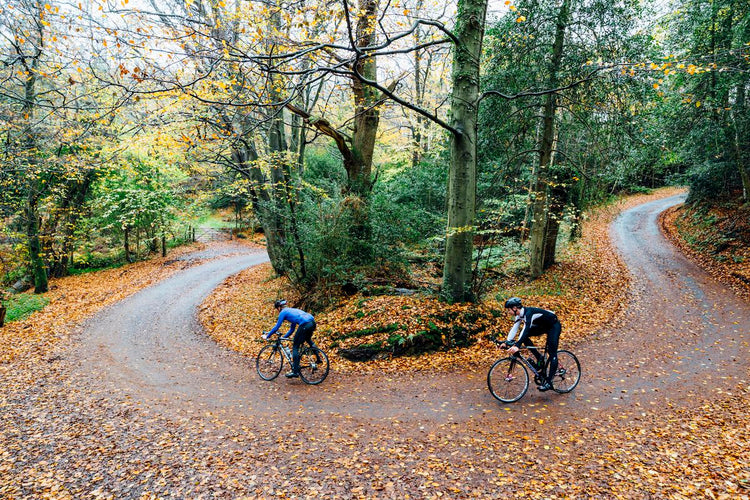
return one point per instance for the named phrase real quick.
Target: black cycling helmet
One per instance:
(279, 303)
(513, 302)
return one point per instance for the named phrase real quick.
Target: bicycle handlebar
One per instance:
(270, 337)
(502, 343)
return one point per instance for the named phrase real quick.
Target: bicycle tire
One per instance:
(568, 372)
(508, 380)
(269, 362)
(313, 365)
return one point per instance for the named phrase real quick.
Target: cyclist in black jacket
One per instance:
(535, 322)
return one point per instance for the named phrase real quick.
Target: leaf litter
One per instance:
(60, 440)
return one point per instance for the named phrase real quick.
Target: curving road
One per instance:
(143, 405)
(681, 334)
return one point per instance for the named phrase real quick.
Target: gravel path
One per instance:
(144, 405)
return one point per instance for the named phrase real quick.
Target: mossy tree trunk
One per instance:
(462, 176)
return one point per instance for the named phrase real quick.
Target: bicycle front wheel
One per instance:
(508, 380)
(313, 365)
(269, 361)
(568, 372)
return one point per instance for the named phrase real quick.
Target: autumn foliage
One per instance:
(586, 289)
(60, 441)
(716, 238)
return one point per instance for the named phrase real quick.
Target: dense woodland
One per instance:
(359, 138)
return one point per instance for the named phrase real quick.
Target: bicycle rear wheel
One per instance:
(269, 361)
(313, 365)
(568, 372)
(508, 380)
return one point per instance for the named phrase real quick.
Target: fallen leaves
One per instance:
(74, 298)
(711, 247)
(59, 439)
(587, 289)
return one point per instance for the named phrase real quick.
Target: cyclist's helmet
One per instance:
(279, 303)
(513, 302)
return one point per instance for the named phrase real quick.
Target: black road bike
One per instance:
(508, 378)
(313, 362)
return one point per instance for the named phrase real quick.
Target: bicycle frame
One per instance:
(286, 351)
(508, 381)
(537, 372)
(313, 367)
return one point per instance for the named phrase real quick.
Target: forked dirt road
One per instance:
(143, 404)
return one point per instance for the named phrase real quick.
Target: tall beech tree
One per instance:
(544, 228)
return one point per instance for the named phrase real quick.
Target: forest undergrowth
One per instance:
(717, 238)
(586, 288)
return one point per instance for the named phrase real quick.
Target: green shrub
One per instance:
(97, 261)
(22, 305)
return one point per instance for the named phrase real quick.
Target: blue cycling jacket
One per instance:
(293, 316)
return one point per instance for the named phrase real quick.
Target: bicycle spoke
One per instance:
(313, 365)
(568, 372)
(269, 362)
(508, 380)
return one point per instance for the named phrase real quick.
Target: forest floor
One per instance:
(586, 288)
(717, 239)
(79, 419)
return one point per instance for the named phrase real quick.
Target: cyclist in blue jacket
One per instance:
(303, 321)
(535, 322)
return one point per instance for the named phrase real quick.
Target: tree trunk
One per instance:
(416, 155)
(742, 141)
(557, 199)
(126, 243)
(38, 268)
(367, 115)
(31, 213)
(539, 235)
(742, 126)
(462, 176)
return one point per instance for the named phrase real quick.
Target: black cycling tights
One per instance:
(304, 334)
(553, 339)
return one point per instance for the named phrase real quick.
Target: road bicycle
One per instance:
(313, 362)
(508, 378)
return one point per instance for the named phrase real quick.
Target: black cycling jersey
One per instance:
(535, 321)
